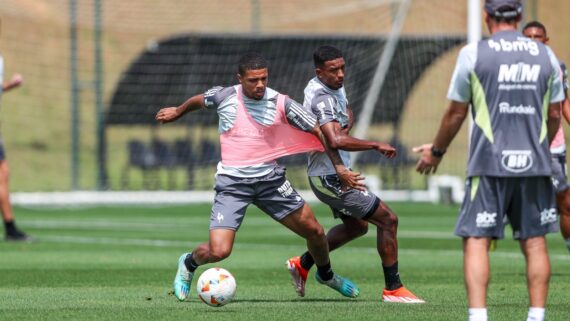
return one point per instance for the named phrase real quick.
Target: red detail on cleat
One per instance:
(298, 275)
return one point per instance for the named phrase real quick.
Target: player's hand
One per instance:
(167, 115)
(350, 179)
(427, 164)
(17, 80)
(386, 150)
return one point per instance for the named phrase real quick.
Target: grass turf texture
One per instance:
(118, 264)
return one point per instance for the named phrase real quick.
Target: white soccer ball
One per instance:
(216, 287)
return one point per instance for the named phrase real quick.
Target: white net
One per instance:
(157, 53)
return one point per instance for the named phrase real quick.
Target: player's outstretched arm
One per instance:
(170, 114)
(16, 81)
(450, 125)
(347, 177)
(339, 139)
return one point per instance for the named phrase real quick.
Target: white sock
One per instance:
(535, 314)
(477, 314)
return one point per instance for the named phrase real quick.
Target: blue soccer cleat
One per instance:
(342, 285)
(183, 279)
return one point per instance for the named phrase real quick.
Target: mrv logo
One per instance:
(522, 44)
(519, 73)
(517, 161)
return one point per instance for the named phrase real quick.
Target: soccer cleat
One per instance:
(298, 274)
(343, 285)
(182, 280)
(400, 295)
(18, 236)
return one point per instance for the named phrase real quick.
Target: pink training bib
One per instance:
(250, 143)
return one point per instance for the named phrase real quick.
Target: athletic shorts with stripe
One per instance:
(272, 193)
(349, 203)
(559, 172)
(527, 203)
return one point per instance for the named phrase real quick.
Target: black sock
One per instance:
(307, 261)
(10, 227)
(191, 265)
(325, 272)
(392, 277)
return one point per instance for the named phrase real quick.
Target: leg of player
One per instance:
(538, 275)
(476, 273)
(304, 223)
(219, 247)
(299, 266)
(350, 229)
(12, 232)
(387, 245)
(563, 202)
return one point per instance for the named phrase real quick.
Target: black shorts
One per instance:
(350, 203)
(527, 203)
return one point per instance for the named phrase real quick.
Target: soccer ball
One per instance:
(216, 287)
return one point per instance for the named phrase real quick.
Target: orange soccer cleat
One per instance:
(298, 274)
(400, 295)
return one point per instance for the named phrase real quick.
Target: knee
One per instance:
(315, 231)
(217, 255)
(388, 220)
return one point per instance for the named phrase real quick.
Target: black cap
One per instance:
(504, 8)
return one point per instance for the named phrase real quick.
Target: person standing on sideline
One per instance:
(537, 31)
(514, 86)
(12, 233)
(257, 125)
(326, 97)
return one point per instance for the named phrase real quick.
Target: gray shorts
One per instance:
(273, 194)
(559, 172)
(527, 203)
(350, 203)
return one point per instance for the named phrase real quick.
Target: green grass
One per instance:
(118, 264)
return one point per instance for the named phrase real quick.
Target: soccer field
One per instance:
(118, 264)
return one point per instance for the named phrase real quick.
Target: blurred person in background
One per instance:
(12, 232)
(515, 89)
(537, 31)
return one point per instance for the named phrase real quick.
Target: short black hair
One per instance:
(324, 54)
(251, 61)
(535, 24)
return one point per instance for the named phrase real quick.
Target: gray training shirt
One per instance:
(327, 105)
(263, 111)
(510, 80)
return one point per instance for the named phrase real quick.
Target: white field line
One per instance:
(170, 243)
(133, 226)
